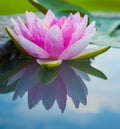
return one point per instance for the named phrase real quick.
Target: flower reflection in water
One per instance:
(47, 84)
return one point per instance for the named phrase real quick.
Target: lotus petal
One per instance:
(91, 52)
(77, 47)
(32, 48)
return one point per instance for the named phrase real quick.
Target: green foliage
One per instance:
(15, 6)
(108, 32)
(98, 5)
(19, 6)
(59, 7)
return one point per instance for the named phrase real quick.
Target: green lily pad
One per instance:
(108, 32)
(46, 76)
(107, 25)
(101, 38)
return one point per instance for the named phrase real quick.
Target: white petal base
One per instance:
(49, 63)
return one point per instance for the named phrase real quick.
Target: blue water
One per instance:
(101, 112)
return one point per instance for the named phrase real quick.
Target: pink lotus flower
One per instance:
(51, 40)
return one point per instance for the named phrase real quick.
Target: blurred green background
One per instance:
(20, 6)
(98, 5)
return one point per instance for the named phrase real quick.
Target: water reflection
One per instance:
(22, 74)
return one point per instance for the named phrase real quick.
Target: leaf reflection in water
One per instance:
(22, 74)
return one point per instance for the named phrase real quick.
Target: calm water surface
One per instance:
(101, 112)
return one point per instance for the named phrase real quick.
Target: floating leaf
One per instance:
(107, 25)
(108, 32)
(116, 34)
(114, 26)
(103, 39)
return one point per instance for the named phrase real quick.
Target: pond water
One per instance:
(77, 94)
